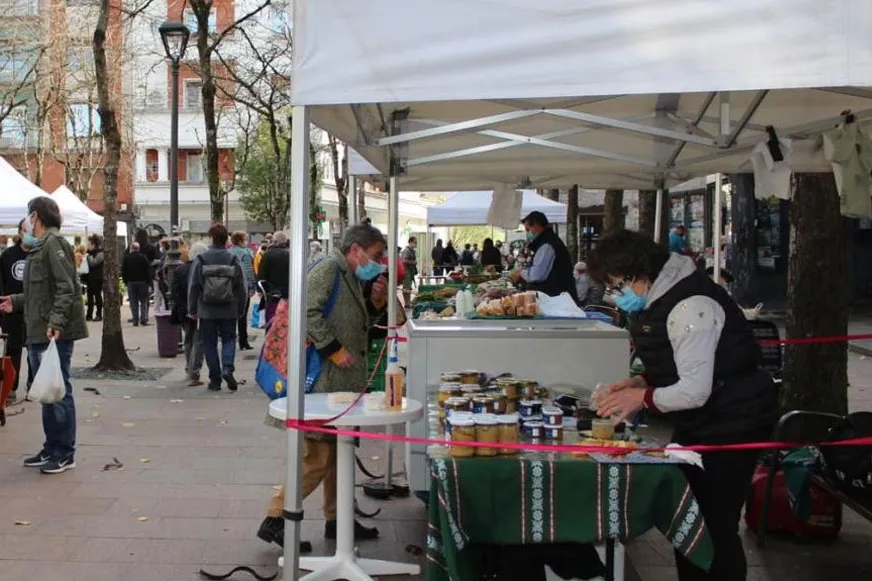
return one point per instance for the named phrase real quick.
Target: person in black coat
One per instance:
(136, 274)
(436, 257)
(95, 277)
(12, 262)
(275, 271)
(179, 315)
(467, 258)
(450, 259)
(491, 256)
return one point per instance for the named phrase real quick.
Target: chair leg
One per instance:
(763, 525)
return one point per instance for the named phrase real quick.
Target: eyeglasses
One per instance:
(617, 288)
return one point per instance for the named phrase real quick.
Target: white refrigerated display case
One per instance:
(576, 354)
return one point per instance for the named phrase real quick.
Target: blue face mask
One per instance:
(629, 302)
(531, 236)
(369, 271)
(29, 240)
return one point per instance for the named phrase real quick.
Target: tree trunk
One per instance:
(613, 212)
(361, 201)
(339, 159)
(553, 195)
(572, 224)
(113, 355)
(743, 213)
(816, 375)
(648, 212)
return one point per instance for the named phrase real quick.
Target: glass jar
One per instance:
(511, 405)
(529, 388)
(469, 377)
(462, 430)
(471, 391)
(483, 404)
(534, 429)
(510, 431)
(487, 430)
(456, 404)
(446, 392)
(458, 415)
(530, 407)
(602, 429)
(449, 377)
(554, 433)
(500, 402)
(553, 416)
(509, 387)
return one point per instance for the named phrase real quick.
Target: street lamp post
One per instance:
(174, 36)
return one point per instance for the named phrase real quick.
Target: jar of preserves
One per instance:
(509, 387)
(462, 430)
(459, 415)
(553, 416)
(469, 377)
(487, 430)
(471, 391)
(449, 377)
(511, 405)
(483, 404)
(554, 433)
(529, 388)
(456, 404)
(530, 407)
(446, 392)
(510, 430)
(534, 429)
(500, 402)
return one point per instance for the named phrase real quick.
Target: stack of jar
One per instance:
(486, 428)
(540, 422)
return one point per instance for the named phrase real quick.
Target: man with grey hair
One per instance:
(179, 292)
(274, 271)
(136, 274)
(353, 280)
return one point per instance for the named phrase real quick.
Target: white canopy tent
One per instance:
(78, 217)
(630, 94)
(471, 209)
(15, 192)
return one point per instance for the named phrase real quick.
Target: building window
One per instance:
(193, 94)
(80, 58)
(13, 67)
(193, 26)
(152, 165)
(19, 7)
(278, 19)
(83, 120)
(194, 168)
(13, 128)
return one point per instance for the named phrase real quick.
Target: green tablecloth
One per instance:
(530, 499)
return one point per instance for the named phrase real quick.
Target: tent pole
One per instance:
(658, 215)
(716, 228)
(299, 212)
(393, 236)
(352, 201)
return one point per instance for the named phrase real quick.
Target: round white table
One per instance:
(344, 564)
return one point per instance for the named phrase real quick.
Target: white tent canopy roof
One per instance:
(15, 192)
(656, 92)
(78, 217)
(471, 209)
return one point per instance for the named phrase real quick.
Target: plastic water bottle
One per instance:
(395, 379)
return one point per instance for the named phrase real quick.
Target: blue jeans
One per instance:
(58, 419)
(210, 331)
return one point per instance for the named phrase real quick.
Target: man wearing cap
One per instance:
(550, 272)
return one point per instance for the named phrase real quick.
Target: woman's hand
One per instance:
(628, 383)
(621, 403)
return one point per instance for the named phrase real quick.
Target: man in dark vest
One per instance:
(551, 269)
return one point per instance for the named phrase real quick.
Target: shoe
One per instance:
(214, 387)
(361, 533)
(195, 383)
(58, 466)
(37, 461)
(131, 321)
(98, 318)
(231, 382)
(89, 318)
(144, 323)
(272, 530)
(245, 347)
(11, 398)
(135, 324)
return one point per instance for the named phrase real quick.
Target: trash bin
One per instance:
(168, 335)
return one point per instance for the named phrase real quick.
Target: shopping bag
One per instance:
(48, 384)
(272, 366)
(255, 317)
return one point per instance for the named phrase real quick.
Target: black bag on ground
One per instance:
(849, 468)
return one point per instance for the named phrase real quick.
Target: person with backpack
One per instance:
(217, 297)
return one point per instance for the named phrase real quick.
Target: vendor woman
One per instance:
(702, 373)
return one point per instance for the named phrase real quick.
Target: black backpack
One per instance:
(218, 284)
(849, 468)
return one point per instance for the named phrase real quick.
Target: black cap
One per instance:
(536, 218)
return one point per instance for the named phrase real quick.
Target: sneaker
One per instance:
(361, 532)
(135, 324)
(231, 382)
(58, 466)
(37, 461)
(195, 382)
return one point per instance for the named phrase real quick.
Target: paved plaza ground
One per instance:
(198, 469)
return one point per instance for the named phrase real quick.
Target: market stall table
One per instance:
(344, 564)
(544, 498)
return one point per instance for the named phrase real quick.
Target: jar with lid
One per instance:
(530, 388)
(459, 415)
(449, 377)
(500, 402)
(483, 404)
(487, 430)
(534, 429)
(446, 392)
(553, 416)
(469, 377)
(530, 407)
(509, 387)
(456, 404)
(462, 430)
(471, 391)
(510, 430)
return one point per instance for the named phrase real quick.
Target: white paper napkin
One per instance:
(688, 456)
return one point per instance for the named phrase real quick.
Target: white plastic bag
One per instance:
(48, 384)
